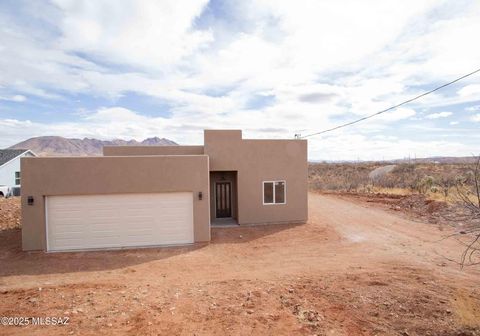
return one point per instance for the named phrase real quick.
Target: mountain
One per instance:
(432, 159)
(59, 146)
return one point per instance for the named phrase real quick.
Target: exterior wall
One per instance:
(110, 175)
(152, 150)
(7, 171)
(262, 160)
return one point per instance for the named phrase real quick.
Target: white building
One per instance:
(10, 174)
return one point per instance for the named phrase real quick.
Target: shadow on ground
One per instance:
(14, 261)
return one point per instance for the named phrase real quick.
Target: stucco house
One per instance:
(161, 195)
(10, 173)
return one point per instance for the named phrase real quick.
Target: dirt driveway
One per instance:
(353, 269)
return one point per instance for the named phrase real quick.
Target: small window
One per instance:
(268, 192)
(17, 178)
(280, 192)
(274, 192)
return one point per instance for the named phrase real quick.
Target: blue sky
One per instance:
(137, 69)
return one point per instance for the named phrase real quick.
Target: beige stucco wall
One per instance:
(257, 161)
(110, 175)
(152, 150)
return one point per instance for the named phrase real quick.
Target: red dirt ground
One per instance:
(9, 213)
(353, 269)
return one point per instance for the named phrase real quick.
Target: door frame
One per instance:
(229, 198)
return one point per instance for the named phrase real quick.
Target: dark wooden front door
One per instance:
(223, 199)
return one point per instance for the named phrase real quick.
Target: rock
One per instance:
(249, 304)
(249, 311)
(256, 293)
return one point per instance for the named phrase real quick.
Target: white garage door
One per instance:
(115, 221)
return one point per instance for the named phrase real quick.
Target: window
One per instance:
(17, 178)
(274, 192)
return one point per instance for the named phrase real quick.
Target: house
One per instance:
(10, 167)
(135, 196)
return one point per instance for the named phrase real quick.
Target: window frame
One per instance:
(18, 179)
(274, 192)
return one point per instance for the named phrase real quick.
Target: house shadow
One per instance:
(15, 261)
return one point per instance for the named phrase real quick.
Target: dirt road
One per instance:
(353, 269)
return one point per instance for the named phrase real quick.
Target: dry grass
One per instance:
(435, 181)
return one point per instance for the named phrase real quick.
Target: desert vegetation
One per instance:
(468, 194)
(435, 180)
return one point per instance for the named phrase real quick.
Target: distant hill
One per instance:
(59, 146)
(440, 159)
(433, 159)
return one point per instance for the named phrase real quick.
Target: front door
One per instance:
(223, 199)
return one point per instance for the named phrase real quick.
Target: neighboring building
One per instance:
(162, 195)
(10, 173)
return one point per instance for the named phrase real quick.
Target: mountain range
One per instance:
(60, 146)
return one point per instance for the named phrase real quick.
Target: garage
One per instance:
(118, 220)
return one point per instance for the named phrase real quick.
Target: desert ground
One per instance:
(354, 269)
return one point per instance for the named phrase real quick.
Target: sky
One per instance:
(142, 68)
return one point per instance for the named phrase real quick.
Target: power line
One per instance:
(390, 108)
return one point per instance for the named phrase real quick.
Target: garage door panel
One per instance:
(125, 220)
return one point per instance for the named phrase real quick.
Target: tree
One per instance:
(468, 193)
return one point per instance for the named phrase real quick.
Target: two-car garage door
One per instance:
(119, 220)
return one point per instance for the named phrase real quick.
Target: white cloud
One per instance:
(476, 117)
(14, 98)
(145, 33)
(361, 147)
(470, 90)
(345, 144)
(453, 123)
(473, 108)
(397, 114)
(438, 115)
(322, 63)
(106, 123)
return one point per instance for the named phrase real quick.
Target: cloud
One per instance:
(476, 117)
(105, 123)
(15, 98)
(145, 34)
(470, 90)
(438, 115)
(453, 123)
(269, 67)
(397, 114)
(361, 147)
(317, 97)
(473, 108)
